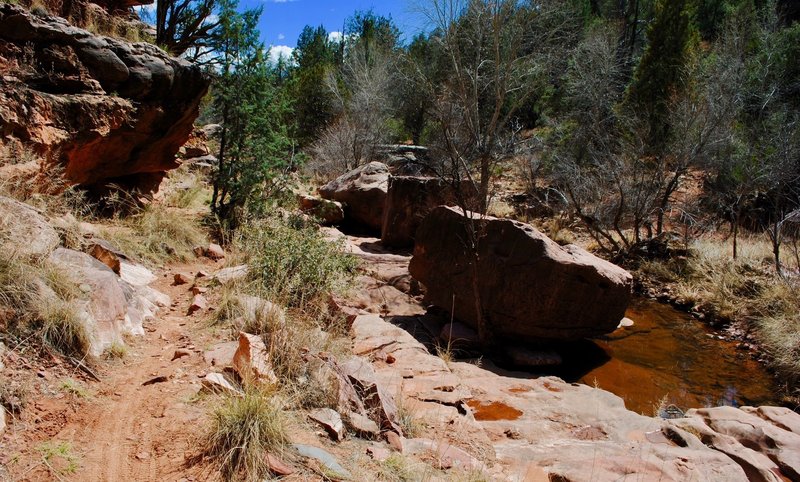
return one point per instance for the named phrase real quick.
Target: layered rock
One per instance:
(522, 428)
(99, 110)
(362, 191)
(529, 288)
(410, 199)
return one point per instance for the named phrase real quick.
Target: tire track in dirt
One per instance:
(130, 432)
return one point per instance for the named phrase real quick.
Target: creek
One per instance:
(668, 357)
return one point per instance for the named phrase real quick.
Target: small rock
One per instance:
(106, 254)
(390, 359)
(333, 467)
(252, 361)
(180, 353)
(143, 456)
(199, 251)
(199, 290)
(43, 374)
(278, 467)
(218, 383)
(362, 425)
(215, 251)
(229, 275)
(378, 452)
(330, 420)
(181, 279)
(198, 303)
(221, 354)
(407, 373)
(153, 381)
(395, 441)
(201, 274)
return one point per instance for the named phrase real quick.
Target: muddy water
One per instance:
(669, 355)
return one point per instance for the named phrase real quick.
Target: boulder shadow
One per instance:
(579, 357)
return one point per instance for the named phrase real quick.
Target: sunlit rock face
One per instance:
(94, 109)
(528, 287)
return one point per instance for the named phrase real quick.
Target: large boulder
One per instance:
(24, 231)
(363, 193)
(99, 110)
(530, 288)
(410, 199)
(111, 306)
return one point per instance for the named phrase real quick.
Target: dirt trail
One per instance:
(124, 430)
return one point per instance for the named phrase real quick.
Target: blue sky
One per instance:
(283, 20)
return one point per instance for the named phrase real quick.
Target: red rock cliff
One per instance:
(102, 109)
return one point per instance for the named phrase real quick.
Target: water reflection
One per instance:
(669, 358)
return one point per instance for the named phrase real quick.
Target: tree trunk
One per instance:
(484, 185)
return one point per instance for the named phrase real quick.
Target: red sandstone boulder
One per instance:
(530, 288)
(410, 199)
(327, 211)
(99, 109)
(363, 193)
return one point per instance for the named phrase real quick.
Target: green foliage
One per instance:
(255, 148)
(312, 99)
(295, 264)
(661, 73)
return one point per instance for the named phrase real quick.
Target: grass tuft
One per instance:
(243, 430)
(61, 327)
(156, 234)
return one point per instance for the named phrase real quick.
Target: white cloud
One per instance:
(281, 36)
(335, 36)
(278, 51)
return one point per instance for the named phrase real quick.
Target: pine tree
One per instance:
(254, 146)
(660, 76)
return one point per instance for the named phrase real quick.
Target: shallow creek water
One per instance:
(667, 355)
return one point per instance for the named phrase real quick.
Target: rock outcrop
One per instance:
(362, 191)
(97, 109)
(27, 231)
(327, 211)
(410, 199)
(522, 428)
(112, 305)
(530, 289)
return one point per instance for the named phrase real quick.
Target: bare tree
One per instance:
(499, 53)
(361, 93)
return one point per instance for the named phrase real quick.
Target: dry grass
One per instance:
(40, 301)
(244, 429)
(746, 290)
(157, 234)
(185, 189)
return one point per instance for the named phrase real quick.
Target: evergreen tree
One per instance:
(314, 59)
(660, 75)
(254, 145)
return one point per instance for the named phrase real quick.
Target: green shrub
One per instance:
(294, 264)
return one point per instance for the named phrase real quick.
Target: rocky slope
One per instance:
(513, 426)
(100, 110)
